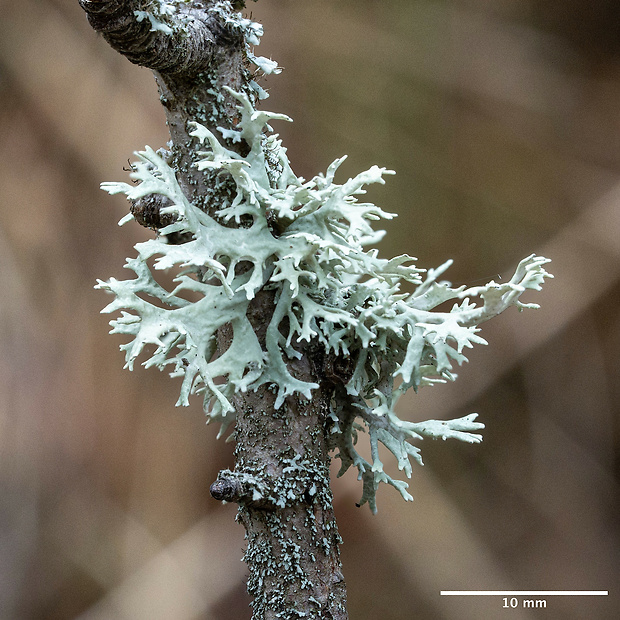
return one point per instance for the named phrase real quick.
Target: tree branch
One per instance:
(298, 332)
(199, 54)
(199, 49)
(185, 43)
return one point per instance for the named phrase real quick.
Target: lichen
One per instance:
(159, 12)
(306, 241)
(288, 541)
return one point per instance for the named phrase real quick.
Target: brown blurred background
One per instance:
(502, 120)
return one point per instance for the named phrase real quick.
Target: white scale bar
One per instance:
(524, 592)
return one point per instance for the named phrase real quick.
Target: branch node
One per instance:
(226, 490)
(147, 211)
(241, 488)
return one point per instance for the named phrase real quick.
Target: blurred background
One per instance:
(502, 120)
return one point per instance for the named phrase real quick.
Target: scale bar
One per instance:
(524, 592)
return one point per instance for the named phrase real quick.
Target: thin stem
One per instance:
(281, 475)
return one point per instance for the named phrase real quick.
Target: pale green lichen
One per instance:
(292, 548)
(328, 289)
(159, 14)
(253, 33)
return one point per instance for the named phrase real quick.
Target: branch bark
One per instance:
(203, 53)
(281, 475)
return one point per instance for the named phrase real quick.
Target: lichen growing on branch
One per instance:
(306, 241)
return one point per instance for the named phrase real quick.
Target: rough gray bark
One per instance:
(281, 475)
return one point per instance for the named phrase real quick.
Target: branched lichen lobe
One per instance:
(285, 280)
